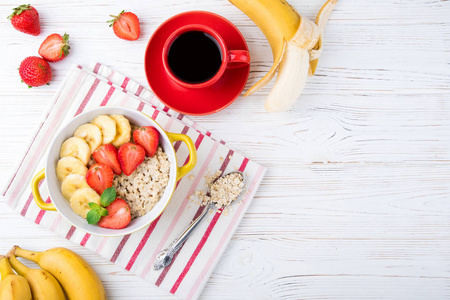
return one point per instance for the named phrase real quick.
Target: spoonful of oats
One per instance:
(222, 192)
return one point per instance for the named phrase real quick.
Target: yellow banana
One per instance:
(278, 21)
(12, 286)
(295, 41)
(77, 278)
(43, 285)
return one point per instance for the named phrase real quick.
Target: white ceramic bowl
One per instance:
(135, 117)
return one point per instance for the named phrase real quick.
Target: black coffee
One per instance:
(194, 57)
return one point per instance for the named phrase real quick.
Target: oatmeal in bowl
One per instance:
(119, 184)
(145, 186)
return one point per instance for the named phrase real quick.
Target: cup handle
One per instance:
(238, 59)
(182, 171)
(37, 195)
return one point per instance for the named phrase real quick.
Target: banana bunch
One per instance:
(43, 285)
(63, 272)
(12, 286)
(296, 44)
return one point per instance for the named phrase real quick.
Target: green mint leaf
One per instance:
(108, 196)
(104, 212)
(94, 205)
(93, 216)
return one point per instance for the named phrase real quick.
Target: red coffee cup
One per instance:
(230, 58)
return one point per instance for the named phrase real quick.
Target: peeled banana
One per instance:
(43, 285)
(108, 127)
(70, 165)
(123, 130)
(79, 202)
(78, 279)
(71, 183)
(76, 147)
(296, 44)
(12, 286)
(91, 134)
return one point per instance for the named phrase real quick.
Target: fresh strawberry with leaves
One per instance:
(111, 213)
(35, 71)
(130, 157)
(99, 177)
(55, 47)
(97, 211)
(25, 18)
(147, 137)
(107, 154)
(126, 26)
(118, 217)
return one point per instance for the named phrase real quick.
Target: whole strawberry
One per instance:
(25, 18)
(35, 71)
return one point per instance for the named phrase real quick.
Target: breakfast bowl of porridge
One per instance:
(112, 171)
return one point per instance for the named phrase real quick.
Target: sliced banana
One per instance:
(108, 127)
(70, 165)
(71, 183)
(123, 130)
(91, 134)
(76, 147)
(79, 202)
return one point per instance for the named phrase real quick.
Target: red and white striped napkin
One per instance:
(87, 88)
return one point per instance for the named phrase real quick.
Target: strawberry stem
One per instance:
(116, 18)
(65, 48)
(18, 10)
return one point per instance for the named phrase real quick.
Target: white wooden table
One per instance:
(356, 203)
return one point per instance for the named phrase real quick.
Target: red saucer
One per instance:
(202, 101)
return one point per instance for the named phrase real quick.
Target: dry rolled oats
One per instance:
(223, 190)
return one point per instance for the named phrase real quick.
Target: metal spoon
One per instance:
(164, 258)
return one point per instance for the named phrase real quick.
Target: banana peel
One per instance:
(321, 20)
(259, 11)
(296, 44)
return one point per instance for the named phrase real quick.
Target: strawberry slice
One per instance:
(119, 215)
(130, 157)
(107, 154)
(126, 26)
(147, 137)
(55, 47)
(99, 177)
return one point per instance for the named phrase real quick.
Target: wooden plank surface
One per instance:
(356, 202)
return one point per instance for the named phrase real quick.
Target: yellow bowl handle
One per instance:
(35, 190)
(182, 171)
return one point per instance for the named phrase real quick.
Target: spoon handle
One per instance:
(164, 258)
(184, 236)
